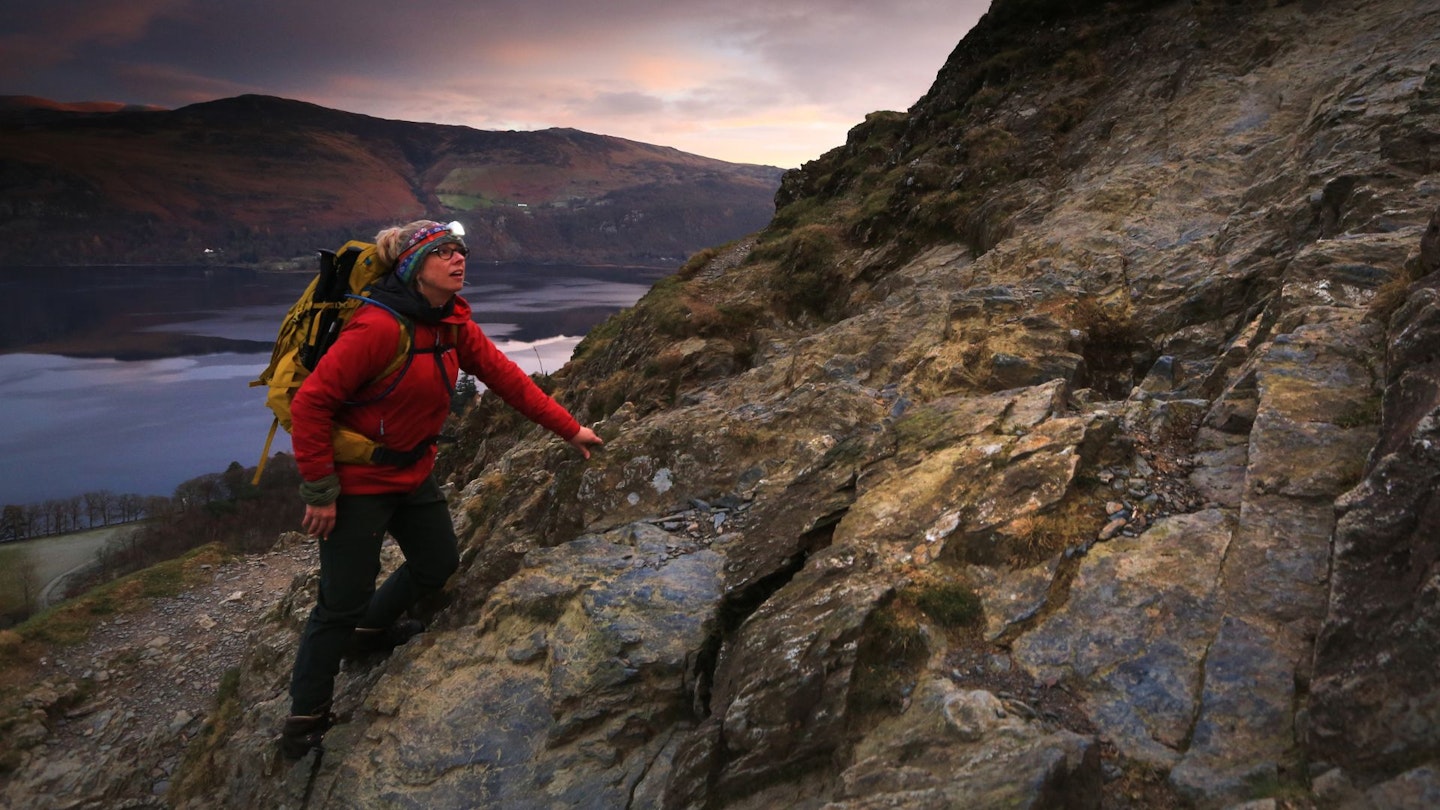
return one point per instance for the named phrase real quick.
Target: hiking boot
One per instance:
(303, 732)
(377, 640)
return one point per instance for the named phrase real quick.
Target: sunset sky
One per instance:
(755, 81)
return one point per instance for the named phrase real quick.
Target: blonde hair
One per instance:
(389, 242)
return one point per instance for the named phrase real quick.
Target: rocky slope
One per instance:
(255, 179)
(1065, 442)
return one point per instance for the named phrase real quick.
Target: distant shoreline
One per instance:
(293, 265)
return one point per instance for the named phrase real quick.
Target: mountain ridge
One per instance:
(256, 179)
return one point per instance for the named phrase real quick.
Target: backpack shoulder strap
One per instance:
(403, 351)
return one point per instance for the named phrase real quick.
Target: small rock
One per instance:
(1112, 528)
(181, 719)
(27, 734)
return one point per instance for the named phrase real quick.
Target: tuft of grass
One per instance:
(1389, 297)
(1036, 538)
(197, 772)
(609, 394)
(697, 262)
(990, 149)
(1065, 114)
(808, 279)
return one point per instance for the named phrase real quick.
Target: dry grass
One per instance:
(70, 621)
(1392, 294)
(1033, 539)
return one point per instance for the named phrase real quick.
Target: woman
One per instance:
(350, 507)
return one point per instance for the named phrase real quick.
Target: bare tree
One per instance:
(13, 524)
(75, 512)
(38, 519)
(98, 506)
(28, 574)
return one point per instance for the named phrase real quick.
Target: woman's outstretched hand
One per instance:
(584, 440)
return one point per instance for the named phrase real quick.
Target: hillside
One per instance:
(1066, 441)
(258, 179)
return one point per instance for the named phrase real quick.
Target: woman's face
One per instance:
(441, 274)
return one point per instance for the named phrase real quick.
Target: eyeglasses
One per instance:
(446, 251)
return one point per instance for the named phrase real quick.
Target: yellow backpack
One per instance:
(310, 328)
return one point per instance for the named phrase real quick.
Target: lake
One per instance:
(135, 379)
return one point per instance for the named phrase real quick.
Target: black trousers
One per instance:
(349, 563)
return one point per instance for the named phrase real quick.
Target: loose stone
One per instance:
(1112, 528)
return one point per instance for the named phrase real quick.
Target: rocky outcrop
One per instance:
(1374, 705)
(1065, 442)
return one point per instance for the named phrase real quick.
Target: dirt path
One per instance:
(152, 677)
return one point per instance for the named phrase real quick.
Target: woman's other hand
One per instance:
(584, 440)
(319, 521)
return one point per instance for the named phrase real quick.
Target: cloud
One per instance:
(776, 81)
(41, 36)
(628, 103)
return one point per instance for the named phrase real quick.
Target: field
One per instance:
(28, 566)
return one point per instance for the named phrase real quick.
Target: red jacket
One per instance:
(412, 413)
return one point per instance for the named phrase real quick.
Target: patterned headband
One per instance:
(418, 246)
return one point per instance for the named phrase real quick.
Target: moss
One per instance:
(923, 429)
(891, 652)
(547, 610)
(951, 605)
(161, 581)
(1361, 414)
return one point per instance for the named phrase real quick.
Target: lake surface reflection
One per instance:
(134, 379)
